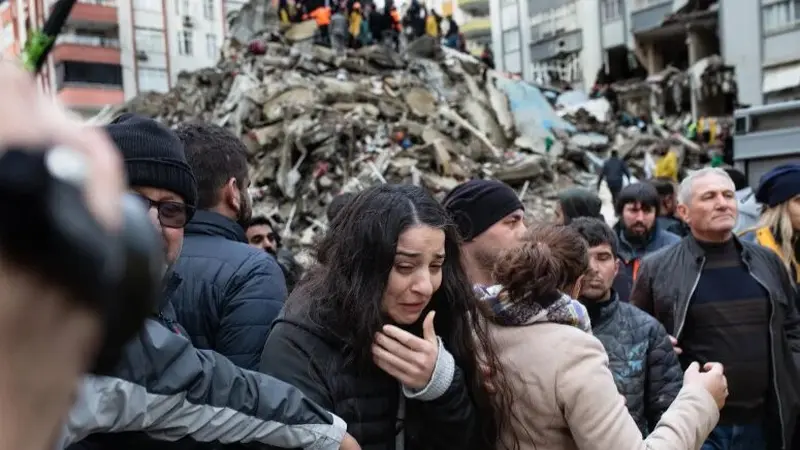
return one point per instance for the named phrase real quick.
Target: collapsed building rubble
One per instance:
(316, 123)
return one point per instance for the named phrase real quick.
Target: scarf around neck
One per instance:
(504, 312)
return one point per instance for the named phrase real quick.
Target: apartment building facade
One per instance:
(111, 50)
(544, 40)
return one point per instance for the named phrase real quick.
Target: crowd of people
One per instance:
(353, 24)
(422, 324)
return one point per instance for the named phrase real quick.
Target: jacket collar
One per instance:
(210, 223)
(698, 253)
(600, 312)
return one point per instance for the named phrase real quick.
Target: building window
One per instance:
(152, 80)
(88, 73)
(779, 15)
(149, 5)
(185, 43)
(610, 10)
(511, 40)
(208, 9)
(8, 36)
(149, 40)
(512, 62)
(211, 45)
(182, 8)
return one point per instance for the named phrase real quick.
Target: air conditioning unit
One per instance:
(141, 55)
(188, 21)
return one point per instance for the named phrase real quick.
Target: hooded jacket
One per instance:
(231, 292)
(164, 390)
(577, 202)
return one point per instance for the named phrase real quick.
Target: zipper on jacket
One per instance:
(685, 311)
(772, 353)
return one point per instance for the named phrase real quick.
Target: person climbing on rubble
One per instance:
(385, 331)
(614, 172)
(339, 29)
(355, 25)
(365, 36)
(779, 226)
(165, 393)
(577, 202)
(431, 24)
(322, 15)
(414, 18)
(487, 57)
(396, 25)
(284, 14)
(639, 233)
(451, 37)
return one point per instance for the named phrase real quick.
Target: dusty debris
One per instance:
(316, 124)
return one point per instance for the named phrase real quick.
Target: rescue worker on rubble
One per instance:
(284, 14)
(396, 25)
(322, 15)
(355, 25)
(431, 25)
(451, 37)
(732, 301)
(667, 164)
(365, 36)
(339, 29)
(779, 226)
(614, 172)
(645, 344)
(165, 393)
(379, 24)
(487, 57)
(638, 232)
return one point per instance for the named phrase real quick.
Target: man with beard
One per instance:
(231, 292)
(489, 217)
(638, 231)
(261, 234)
(645, 367)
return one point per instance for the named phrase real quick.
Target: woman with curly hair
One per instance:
(385, 330)
(565, 396)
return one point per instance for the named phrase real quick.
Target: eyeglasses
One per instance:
(170, 214)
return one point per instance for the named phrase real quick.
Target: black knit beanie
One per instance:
(476, 205)
(153, 156)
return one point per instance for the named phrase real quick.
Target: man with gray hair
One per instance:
(729, 301)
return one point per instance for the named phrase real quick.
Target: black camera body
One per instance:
(46, 228)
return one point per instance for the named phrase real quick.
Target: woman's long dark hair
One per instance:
(343, 292)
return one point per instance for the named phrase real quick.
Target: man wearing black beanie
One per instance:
(166, 394)
(489, 217)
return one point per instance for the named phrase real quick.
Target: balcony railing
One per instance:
(90, 41)
(100, 2)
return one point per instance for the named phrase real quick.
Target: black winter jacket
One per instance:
(645, 367)
(312, 359)
(664, 288)
(231, 292)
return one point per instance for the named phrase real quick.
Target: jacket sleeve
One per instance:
(253, 298)
(289, 356)
(596, 415)
(170, 390)
(446, 405)
(664, 375)
(642, 291)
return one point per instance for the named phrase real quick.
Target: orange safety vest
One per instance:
(322, 15)
(396, 19)
(636, 263)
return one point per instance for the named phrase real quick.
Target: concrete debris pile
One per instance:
(317, 123)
